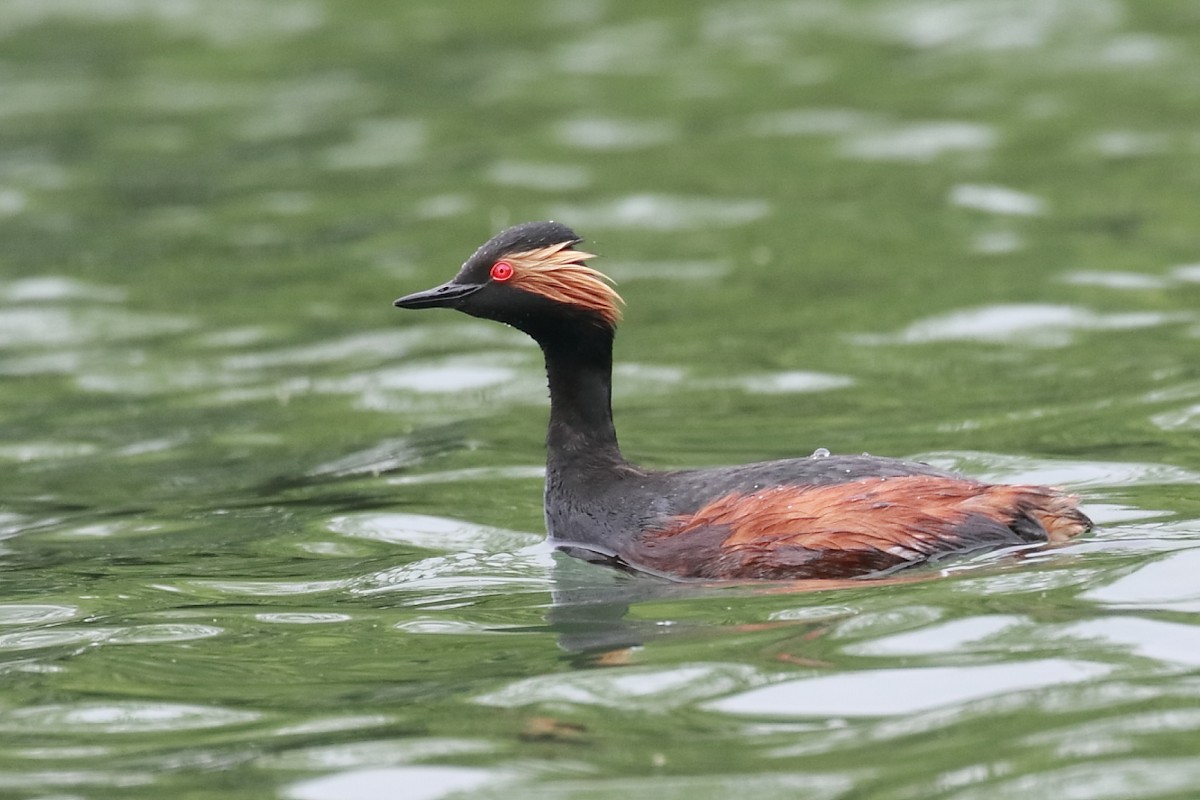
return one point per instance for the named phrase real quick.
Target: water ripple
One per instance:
(463, 578)
(920, 141)
(641, 689)
(221, 22)
(382, 783)
(33, 326)
(607, 133)
(996, 199)
(1171, 644)
(303, 618)
(665, 212)
(1120, 779)
(32, 614)
(380, 143)
(262, 588)
(1039, 324)
(57, 288)
(120, 717)
(471, 474)
(37, 639)
(814, 122)
(789, 382)
(889, 692)
(1112, 279)
(434, 533)
(1166, 583)
(375, 753)
(41, 780)
(1002, 25)
(543, 177)
(997, 468)
(948, 638)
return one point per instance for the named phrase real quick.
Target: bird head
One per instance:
(530, 276)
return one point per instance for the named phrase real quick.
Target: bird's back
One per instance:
(823, 517)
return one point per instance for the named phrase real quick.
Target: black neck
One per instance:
(579, 368)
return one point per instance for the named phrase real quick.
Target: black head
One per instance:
(531, 277)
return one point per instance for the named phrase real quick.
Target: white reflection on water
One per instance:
(998, 468)
(1128, 144)
(40, 781)
(627, 271)
(1038, 324)
(1167, 583)
(1113, 279)
(888, 692)
(609, 133)
(35, 614)
(634, 48)
(94, 635)
(380, 143)
(948, 638)
(435, 533)
(371, 346)
(1136, 49)
(814, 122)
(994, 25)
(439, 626)
(120, 717)
(372, 752)
(389, 783)
(294, 108)
(1187, 272)
(459, 579)
(788, 382)
(221, 22)
(1187, 418)
(470, 474)
(1117, 734)
(923, 141)
(1112, 779)
(633, 379)
(302, 617)
(996, 199)
(998, 241)
(1172, 644)
(12, 201)
(662, 784)
(540, 176)
(259, 588)
(34, 326)
(447, 377)
(643, 689)
(45, 451)
(388, 455)
(664, 212)
(54, 288)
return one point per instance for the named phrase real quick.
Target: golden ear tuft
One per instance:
(557, 273)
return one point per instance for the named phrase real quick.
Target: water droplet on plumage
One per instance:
(820, 452)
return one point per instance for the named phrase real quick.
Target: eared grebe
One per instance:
(818, 517)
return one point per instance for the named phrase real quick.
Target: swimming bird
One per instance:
(822, 516)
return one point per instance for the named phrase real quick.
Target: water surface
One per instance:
(265, 536)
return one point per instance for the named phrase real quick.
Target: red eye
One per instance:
(502, 271)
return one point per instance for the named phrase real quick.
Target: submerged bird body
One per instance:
(817, 517)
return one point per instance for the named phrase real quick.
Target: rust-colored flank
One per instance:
(852, 528)
(557, 273)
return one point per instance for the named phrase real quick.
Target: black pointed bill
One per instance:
(448, 294)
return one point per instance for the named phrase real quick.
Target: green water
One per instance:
(265, 536)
